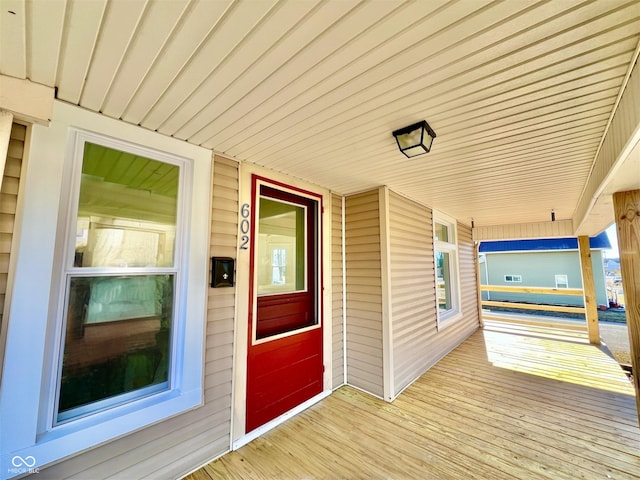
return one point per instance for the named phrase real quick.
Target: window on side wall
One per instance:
(513, 278)
(562, 281)
(445, 240)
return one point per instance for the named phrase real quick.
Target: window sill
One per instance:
(83, 434)
(448, 319)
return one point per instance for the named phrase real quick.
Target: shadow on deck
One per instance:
(506, 404)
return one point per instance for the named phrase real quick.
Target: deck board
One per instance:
(506, 404)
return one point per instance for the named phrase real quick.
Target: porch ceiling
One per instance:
(518, 92)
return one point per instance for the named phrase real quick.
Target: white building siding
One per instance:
(364, 293)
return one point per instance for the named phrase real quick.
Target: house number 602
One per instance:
(245, 226)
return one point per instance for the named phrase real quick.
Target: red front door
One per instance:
(284, 365)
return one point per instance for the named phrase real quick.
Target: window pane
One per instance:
(562, 281)
(443, 281)
(281, 247)
(441, 232)
(116, 339)
(127, 210)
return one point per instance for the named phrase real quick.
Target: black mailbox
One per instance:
(222, 272)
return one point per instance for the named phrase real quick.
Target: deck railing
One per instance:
(533, 290)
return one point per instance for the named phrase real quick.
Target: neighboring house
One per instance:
(612, 268)
(552, 263)
(206, 224)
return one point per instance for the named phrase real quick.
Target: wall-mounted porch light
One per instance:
(415, 139)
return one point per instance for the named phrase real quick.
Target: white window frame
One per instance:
(562, 276)
(254, 301)
(29, 373)
(514, 279)
(305, 266)
(49, 422)
(445, 319)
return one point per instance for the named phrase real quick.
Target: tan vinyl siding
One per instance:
(450, 336)
(364, 292)
(417, 343)
(560, 228)
(624, 123)
(8, 202)
(468, 278)
(337, 292)
(172, 448)
(413, 300)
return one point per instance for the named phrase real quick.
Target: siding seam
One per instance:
(344, 291)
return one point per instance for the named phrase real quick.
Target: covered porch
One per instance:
(535, 105)
(510, 402)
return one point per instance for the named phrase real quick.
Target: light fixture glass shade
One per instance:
(415, 139)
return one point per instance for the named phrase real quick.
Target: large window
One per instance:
(104, 336)
(446, 261)
(119, 282)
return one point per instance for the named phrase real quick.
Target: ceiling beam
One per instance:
(521, 231)
(622, 135)
(26, 100)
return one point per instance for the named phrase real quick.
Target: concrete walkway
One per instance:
(615, 336)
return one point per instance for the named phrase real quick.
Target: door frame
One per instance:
(243, 291)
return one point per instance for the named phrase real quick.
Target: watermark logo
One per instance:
(23, 465)
(18, 461)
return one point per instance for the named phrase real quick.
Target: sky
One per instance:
(613, 240)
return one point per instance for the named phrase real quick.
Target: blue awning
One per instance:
(599, 242)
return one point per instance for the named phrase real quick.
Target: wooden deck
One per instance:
(509, 403)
